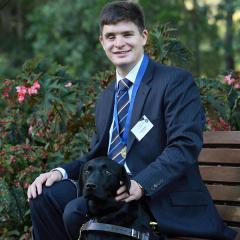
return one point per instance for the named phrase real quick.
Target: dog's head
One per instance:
(100, 178)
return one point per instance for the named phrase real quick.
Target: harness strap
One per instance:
(93, 226)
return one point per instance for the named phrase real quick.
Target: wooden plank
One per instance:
(220, 174)
(222, 137)
(224, 192)
(220, 155)
(229, 213)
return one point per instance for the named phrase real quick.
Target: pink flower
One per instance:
(21, 89)
(237, 85)
(36, 85)
(32, 90)
(21, 97)
(12, 159)
(229, 80)
(5, 92)
(12, 148)
(68, 85)
(1, 170)
(6, 82)
(17, 183)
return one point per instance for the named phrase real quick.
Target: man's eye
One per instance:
(128, 35)
(111, 37)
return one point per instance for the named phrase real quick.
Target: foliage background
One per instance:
(56, 44)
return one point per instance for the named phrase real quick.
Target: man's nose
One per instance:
(119, 42)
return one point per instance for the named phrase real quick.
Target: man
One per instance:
(150, 120)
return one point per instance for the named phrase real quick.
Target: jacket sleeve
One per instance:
(184, 120)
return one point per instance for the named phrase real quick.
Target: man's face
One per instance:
(123, 44)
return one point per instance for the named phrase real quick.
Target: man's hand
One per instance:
(47, 178)
(135, 192)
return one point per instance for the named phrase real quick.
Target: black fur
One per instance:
(99, 181)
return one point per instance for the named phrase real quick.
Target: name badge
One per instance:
(142, 128)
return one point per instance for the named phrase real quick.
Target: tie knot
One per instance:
(124, 84)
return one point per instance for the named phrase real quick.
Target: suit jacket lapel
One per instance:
(108, 103)
(139, 102)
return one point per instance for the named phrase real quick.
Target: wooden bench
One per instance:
(219, 163)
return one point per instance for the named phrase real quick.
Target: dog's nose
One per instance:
(91, 186)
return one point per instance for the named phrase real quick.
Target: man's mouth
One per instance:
(121, 52)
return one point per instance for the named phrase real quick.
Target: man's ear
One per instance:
(145, 36)
(125, 178)
(101, 40)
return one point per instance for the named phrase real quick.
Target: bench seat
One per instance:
(219, 163)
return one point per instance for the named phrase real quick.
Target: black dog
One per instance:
(99, 180)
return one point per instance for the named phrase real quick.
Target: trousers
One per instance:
(58, 213)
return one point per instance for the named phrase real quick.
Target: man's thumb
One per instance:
(51, 179)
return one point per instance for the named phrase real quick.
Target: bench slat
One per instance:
(229, 213)
(220, 174)
(220, 155)
(222, 137)
(224, 192)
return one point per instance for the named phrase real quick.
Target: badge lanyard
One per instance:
(137, 82)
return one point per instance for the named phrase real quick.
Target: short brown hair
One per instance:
(117, 11)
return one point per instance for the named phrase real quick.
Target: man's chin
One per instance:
(123, 63)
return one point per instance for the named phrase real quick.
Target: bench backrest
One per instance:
(219, 163)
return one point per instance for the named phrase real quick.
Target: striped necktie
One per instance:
(117, 149)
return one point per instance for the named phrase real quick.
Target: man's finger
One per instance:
(130, 198)
(29, 194)
(121, 197)
(50, 181)
(122, 189)
(39, 187)
(53, 177)
(32, 190)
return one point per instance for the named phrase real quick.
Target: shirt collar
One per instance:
(131, 76)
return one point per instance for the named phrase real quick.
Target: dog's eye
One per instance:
(107, 172)
(86, 172)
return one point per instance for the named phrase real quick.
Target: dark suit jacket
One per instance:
(164, 162)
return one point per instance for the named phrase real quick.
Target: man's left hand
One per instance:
(135, 192)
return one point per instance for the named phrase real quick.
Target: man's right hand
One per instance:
(47, 178)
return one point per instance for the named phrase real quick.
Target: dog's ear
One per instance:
(125, 178)
(80, 179)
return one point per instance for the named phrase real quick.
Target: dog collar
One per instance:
(94, 226)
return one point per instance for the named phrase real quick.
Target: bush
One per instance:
(46, 118)
(221, 100)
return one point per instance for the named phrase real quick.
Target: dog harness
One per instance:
(103, 227)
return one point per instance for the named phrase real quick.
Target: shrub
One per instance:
(221, 100)
(45, 119)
